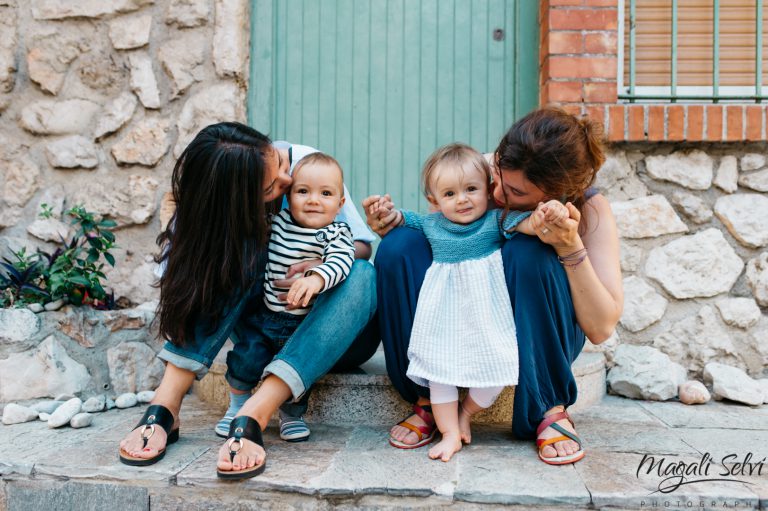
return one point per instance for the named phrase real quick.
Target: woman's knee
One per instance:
(530, 255)
(399, 246)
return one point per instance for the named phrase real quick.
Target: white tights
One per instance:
(484, 397)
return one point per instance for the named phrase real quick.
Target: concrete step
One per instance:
(368, 397)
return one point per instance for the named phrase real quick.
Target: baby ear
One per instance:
(342, 200)
(431, 200)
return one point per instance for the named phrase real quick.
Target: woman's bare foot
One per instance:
(465, 425)
(562, 448)
(447, 447)
(250, 455)
(405, 435)
(133, 444)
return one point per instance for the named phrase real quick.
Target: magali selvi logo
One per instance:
(670, 473)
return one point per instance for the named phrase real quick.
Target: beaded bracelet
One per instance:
(573, 259)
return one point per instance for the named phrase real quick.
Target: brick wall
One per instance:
(579, 64)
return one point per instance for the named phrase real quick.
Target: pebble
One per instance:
(44, 416)
(16, 414)
(126, 400)
(35, 307)
(49, 406)
(81, 420)
(110, 403)
(95, 404)
(64, 397)
(54, 305)
(145, 396)
(65, 412)
(693, 392)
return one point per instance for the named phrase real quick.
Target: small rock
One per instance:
(16, 414)
(144, 144)
(642, 372)
(230, 41)
(110, 403)
(733, 383)
(35, 307)
(727, 174)
(145, 396)
(64, 397)
(48, 406)
(64, 413)
(116, 114)
(126, 400)
(757, 278)
(752, 161)
(643, 306)
(72, 152)
(646, 217)
(143, 81)
(693, 392)
(17, 325)
(739, 312)
(49, 229)
(81, 420)
(54, 305)
(692, 206)
(128, 32)
(43, 417)
(95, 404)
(757, 181)
(743, 214)
(188, 13)
(690, 169)
(47, 117)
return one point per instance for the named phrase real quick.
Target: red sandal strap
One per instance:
(550, 419)
(420, 431)
(424, 415)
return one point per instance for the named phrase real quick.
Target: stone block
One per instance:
(647, 217)
(727, 174)
(61, 9)
(143, 81)
(643, 306)
(188, 13)
(22, 495)
(72, 152)
(230, 37)
(129, 32)
(145, 144)
(116, 114)
(742, 215)
(689, 169)
(47, 117)
(757, 278)
(642, 372)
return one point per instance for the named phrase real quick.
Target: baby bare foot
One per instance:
(465, 426)
(447, 447)
(249, 456)
(133, 443)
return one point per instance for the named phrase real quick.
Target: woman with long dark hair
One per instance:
(563, 285)
(225, 184)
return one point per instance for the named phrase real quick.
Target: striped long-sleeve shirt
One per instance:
(291, 243)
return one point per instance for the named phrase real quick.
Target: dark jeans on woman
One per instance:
(548, 337)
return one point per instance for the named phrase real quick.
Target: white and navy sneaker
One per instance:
(293, 429)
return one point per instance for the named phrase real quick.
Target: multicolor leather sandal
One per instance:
(243, 428)
(426, 433)
(550, 421)
(155, 416)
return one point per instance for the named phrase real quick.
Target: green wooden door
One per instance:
(380, 84)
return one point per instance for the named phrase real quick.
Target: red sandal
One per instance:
(426, 433)
(550, 421)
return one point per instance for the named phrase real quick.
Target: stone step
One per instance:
(368, 397)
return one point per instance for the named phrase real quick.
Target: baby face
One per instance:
(460, 195)
(316, 195)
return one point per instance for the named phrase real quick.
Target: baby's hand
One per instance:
(304, 289)
(554, 211)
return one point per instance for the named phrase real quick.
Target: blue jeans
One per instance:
(548, 337)
(338, 331)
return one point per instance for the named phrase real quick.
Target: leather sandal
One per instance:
(426, 433)
(243, 428)
(155, 416)
(550, 421)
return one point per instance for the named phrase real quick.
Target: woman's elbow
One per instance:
(599, 336)
(602, 331)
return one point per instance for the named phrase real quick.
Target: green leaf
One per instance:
(80, 280)
(107, 223)
(110, 258)
(108, 235)
(94, 242)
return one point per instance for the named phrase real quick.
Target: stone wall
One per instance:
(97, 99)
(693, 222)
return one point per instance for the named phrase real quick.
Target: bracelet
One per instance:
(573, 259)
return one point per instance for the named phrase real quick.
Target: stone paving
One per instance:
(353, 467)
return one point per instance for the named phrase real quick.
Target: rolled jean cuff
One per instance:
(289, 375)
(238, 384)
(183, 362)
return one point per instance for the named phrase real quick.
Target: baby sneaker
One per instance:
(293, 429)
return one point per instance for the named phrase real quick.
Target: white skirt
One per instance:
(464, 330)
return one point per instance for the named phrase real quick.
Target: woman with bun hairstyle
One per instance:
(562, 286)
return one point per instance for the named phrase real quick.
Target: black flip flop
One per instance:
(156, 415)
(241, 428)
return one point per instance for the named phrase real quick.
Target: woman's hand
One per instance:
(380, 214)
(552, 229)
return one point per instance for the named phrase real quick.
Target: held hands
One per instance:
(304, 289)
(380, 214)
(557, 225)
